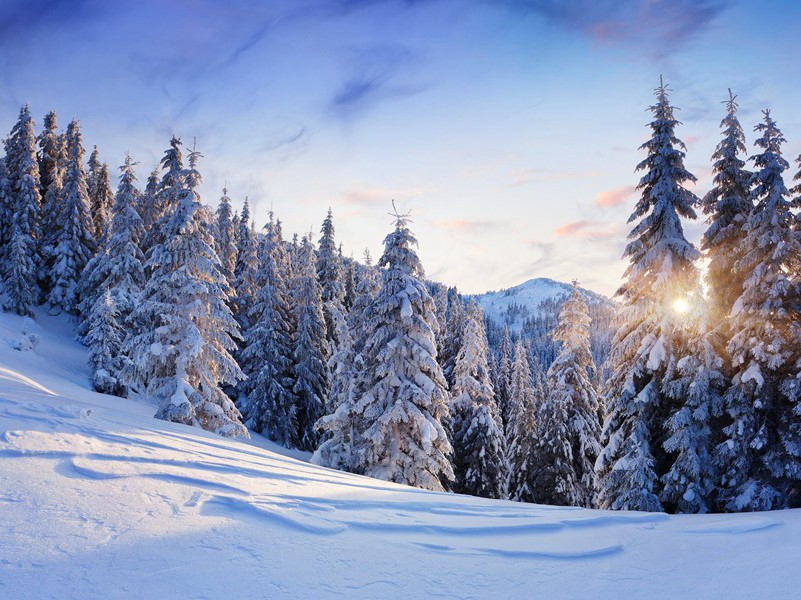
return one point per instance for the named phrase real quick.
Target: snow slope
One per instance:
(99, 500)
(527, 296)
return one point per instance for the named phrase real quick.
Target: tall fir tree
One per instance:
(479, 448)
(312, 379)
(651, 336)
(330, 276)
(727, 206)
(101, 198)
(245, 271)
(270, 405)
(75, 243)
(166, 199)
(6, 205)
(523, 428)
(568, 427)
(148, 207)
(184, 355)
(22, 257)
(402, 397)
(759, 456)
(104, 338)
(503, 377)
(226, 236)
(52, 160)
(452, 338)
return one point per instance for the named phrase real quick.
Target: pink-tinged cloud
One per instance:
(614, 197)
(584, 230)
(524, 176)
(376, 196)
(466, 226)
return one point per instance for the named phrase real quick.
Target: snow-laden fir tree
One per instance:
(75, 244)
(349, 284)
(92, 172)
(440, 295)
(245, 271)
(148, 209)
(452, 337)
(52, 160)
(479, 449)
(6, 206)
(402, 392)
(523, 436)
(330, 276)
(759, 457)
(727, 206)
(651, 336)
(503, 378)
(118, 268)
(101, 199)
(166, 199)
(342, 428)
(568, 429)
(104, 338)
(698, 388)
(22, 259)
(270, 405)
(226, 237)
(184, 356)
(312, 379)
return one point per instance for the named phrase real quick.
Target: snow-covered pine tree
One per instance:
(6, 205)
(270, 405)
(329, 274)
(440, 296)
(118, 268)
(727, 206)
(479, 449)
(167, 197)
(568, 429)
(503, 378)
(245, 271)
(226, 237)
(402, 392)
(184, 356)
(75, 244)
(452, 337)
(522, 441)
(104, 338)
(698, 389)
(52, 160)
(312, 379)
(651, 336)
(147, 207)
(101, 199)
(349, 284)
(92, 173)
(759, 456)
(22, 259)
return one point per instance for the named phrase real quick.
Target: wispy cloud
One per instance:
(614, 197)
(377, 196)
(660, 26)
(585, 230)
(467, 225)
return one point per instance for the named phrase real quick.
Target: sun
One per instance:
(681, 306)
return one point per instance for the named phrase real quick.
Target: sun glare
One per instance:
(681, 306)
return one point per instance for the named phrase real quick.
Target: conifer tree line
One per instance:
(375, 370)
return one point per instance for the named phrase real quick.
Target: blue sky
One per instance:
(509, 128)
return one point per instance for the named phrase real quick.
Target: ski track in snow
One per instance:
(98, 499)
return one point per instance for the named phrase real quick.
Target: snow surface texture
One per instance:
(100, 500)
(514, 305)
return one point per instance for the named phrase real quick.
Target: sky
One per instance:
(508, 128)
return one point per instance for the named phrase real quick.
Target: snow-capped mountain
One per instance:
(512, 306)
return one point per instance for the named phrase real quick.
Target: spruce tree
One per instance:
(184, 355)
(479, 449)
(104, 338)
(75, 244)
(311, 351)
(53, 159)
(452, 337)
(503, 375)
(167, 197)
(759, 457)
(148, 207)
(101, 199)
(727, 206)
(330, 275)
(651, 336)
(522, 421)
(270, 405)
(226, 237)
(401, 398)
(568, 428)
(245, 271)
(6, 205)
(22, 258)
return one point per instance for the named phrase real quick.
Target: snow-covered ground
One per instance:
(527, 296)
(100, 500)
